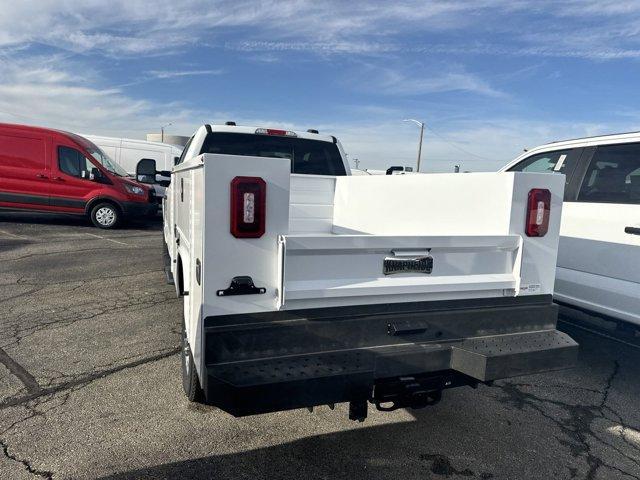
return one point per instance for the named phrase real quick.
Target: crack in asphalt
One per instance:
(21, 280)
(83, 380)
(26, 463)
(23, 294)
(62, 252)
(78, 312)
(578, 426)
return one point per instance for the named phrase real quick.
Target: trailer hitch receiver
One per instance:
(415, 391)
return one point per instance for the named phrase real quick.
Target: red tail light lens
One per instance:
(538, 210)
(248, 207)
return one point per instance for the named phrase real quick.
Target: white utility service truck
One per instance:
(306, 286)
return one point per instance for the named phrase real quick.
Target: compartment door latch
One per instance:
(241, 286)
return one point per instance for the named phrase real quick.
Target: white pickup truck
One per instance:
(305, 286)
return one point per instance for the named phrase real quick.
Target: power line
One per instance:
(457, 146)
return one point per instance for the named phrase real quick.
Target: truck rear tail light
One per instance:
(248, 207)
(538, 210)
(273, 131)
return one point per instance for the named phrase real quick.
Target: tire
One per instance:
(105, 215)
(190, 381)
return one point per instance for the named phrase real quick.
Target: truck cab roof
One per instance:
(253, 129)
(310, 153)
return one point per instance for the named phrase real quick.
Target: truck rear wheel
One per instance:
(190, 381)
(105, 215)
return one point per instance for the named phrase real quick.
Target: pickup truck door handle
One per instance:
(41, 175)
(632, 230)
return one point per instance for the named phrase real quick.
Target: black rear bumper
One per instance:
(291, 359)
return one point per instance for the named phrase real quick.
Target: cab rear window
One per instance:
(311, 157)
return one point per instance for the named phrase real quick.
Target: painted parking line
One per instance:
(107, 239)
(13, 235)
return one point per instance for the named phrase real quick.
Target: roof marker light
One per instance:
(273, 131)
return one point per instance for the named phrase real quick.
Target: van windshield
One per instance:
(106, 162)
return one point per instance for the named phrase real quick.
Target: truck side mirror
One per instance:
(390, 170)
(176, 160)
(146, 171)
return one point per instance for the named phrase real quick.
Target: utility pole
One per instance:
(357, 162)
(162, 131)
(421, 125)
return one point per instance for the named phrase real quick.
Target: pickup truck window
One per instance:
(552, 162)
(613, 176)
(184, 152)
(312, 157)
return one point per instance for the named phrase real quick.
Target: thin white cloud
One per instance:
(165, 74)
(51, 92)
(418, 79)
(608, 28)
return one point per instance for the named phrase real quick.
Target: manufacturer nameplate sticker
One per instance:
(531, 288)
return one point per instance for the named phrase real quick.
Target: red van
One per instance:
(59, 172)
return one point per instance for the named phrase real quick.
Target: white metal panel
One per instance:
(197, 194)
(225, 256)
(434, 204)
(350, 267)
(539, 254)
(311, 203)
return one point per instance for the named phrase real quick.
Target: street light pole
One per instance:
(421, 125)
(162, 131)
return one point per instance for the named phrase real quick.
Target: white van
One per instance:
(128, 152)
(599, 254)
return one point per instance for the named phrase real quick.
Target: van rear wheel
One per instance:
(190, 381)
(105, 215)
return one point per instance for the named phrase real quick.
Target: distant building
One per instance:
(179, 140)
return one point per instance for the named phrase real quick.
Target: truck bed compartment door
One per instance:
(359, 269)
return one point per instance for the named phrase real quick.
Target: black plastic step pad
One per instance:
(294, 368)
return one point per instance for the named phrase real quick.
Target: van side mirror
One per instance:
(146, 171)
(176, 160)
(95, 174)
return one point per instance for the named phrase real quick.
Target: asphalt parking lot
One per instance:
(90, 388)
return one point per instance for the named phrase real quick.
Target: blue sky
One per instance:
(489, 77)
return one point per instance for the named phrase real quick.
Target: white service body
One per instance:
(325, 241)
